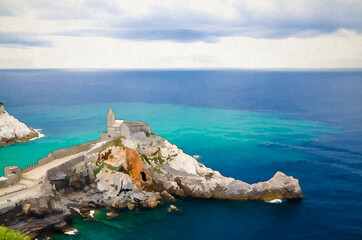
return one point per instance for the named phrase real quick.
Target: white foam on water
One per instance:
(91, 213)
(196, 156)
(73, 231)
(40, 135)
(275, 201)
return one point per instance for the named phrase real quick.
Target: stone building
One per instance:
(12, 176)
(117, 128)
(113, 125)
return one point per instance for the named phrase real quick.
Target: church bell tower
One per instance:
(110, 118)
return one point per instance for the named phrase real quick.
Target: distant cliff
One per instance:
(12, 130)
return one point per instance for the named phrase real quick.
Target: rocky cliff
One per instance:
(135, 170)
(12, 130)
(140, 171)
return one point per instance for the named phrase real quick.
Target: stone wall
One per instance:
(12, 176)
(9, 180)
(59, 173)
(60, 153)
(105, 136)
(137, 126)
(12, 170)
(29, 167)
(47, 159)
(12, 179)
(72, 150)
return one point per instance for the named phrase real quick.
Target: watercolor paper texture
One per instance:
(180, 119)
(180, 34)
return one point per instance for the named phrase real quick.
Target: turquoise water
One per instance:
(245, 124)
(192, 129)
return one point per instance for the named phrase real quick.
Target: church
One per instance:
(117, 128)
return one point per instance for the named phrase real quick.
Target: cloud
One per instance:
(180, 33)
(196, 20)
(21, 40)
(337, 50)
(176, 35)
(5, 11)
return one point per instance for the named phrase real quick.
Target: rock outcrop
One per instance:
(12, 130)
(172, 170)
(143, 172)
(137, 170)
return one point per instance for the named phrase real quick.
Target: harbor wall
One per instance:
(12, 179)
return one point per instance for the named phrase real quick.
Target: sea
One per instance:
(247, 124)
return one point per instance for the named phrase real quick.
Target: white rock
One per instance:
(102, 185)
(122, 181)
(12, 128)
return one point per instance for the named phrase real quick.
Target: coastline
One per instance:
(40, 135)
(234, 144)
(12, 130)
(130, 169)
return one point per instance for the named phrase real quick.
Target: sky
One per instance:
(159, 34)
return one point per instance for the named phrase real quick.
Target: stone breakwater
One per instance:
(134, 170)
(12, 130)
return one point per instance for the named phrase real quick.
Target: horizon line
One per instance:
(186, 69)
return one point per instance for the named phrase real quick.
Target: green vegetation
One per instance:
(155, 169)
(118, 142)
(160, 160)
(99, 169)
(155, 159)
(145, 158)
(115, 143)
(1, 103)
(8, 234)
(111, 168)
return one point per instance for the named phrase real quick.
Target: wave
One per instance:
(275, 201)
(72, 231)
(91, 213)
(40, 135)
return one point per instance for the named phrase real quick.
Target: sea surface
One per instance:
(245, 124)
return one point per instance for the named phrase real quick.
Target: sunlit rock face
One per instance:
(154, 164)
(12, 130)
(136, 170)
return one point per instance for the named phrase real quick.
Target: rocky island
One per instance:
(128, 167)
(12, 130)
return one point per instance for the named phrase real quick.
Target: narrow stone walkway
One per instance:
(28, 185)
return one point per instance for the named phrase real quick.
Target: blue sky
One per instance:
(181, 34)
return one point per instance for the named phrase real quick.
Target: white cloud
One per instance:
(339, 50)
(180, 34)
(279, 18)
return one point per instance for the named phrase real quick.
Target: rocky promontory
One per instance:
(12, 130)
(136, 169)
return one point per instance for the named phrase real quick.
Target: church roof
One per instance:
(118, 123)
(110, 111)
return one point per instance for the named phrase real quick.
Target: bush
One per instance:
(145, 158)
(99, 169)
(8, 234)
(160, 160)
(155, 169)
(155, 159)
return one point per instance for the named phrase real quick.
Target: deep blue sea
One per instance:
(245, 124)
